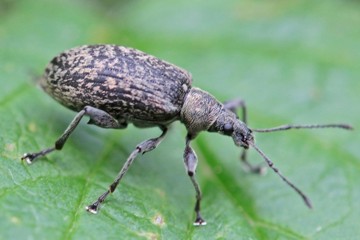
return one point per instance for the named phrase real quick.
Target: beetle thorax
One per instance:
(199, 111)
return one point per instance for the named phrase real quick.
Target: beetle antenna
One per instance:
(276, 170)
(287, 127)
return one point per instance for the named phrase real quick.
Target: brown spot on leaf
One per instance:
(158, 220)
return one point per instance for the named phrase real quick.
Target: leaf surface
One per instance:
(293, 62)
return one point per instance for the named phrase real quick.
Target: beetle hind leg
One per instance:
(102, 119)
(97, 117)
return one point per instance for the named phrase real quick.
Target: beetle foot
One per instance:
(199, 221)
(29, 157)
(93, 208)
(261, 170)
(258, 169)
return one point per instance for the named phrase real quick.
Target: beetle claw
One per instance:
(93, 208)
(28, 157)
(199, 222)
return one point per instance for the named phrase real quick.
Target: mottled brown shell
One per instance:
(124, 82)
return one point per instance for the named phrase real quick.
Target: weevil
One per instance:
(116, 85)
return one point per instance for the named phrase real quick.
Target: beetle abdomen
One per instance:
(124, 82)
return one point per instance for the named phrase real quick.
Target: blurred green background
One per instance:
(292, 61)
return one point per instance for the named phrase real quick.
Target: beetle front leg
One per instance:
(97, 117)
(142, 148)
(233, 106)
(190, 160)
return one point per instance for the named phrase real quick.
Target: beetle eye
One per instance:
(228, 128)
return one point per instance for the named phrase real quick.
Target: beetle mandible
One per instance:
(115, 85)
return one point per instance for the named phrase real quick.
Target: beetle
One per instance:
(115, 85)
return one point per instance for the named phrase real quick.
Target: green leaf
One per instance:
(292, 61)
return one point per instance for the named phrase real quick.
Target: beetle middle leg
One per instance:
(97, 117)
(142, 148)
(190, 160)
(233, 106)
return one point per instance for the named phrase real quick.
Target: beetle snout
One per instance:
(243, 136)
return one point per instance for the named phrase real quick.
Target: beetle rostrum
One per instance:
(115, 86)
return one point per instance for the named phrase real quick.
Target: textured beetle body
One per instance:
(126, 83)
(116, 85)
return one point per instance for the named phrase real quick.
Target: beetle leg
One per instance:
(97, 117)
(233, 106)
(190, 160)
(142, 148)
(102, 119)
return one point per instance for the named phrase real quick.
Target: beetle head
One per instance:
(242, 135)
(228, 124)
